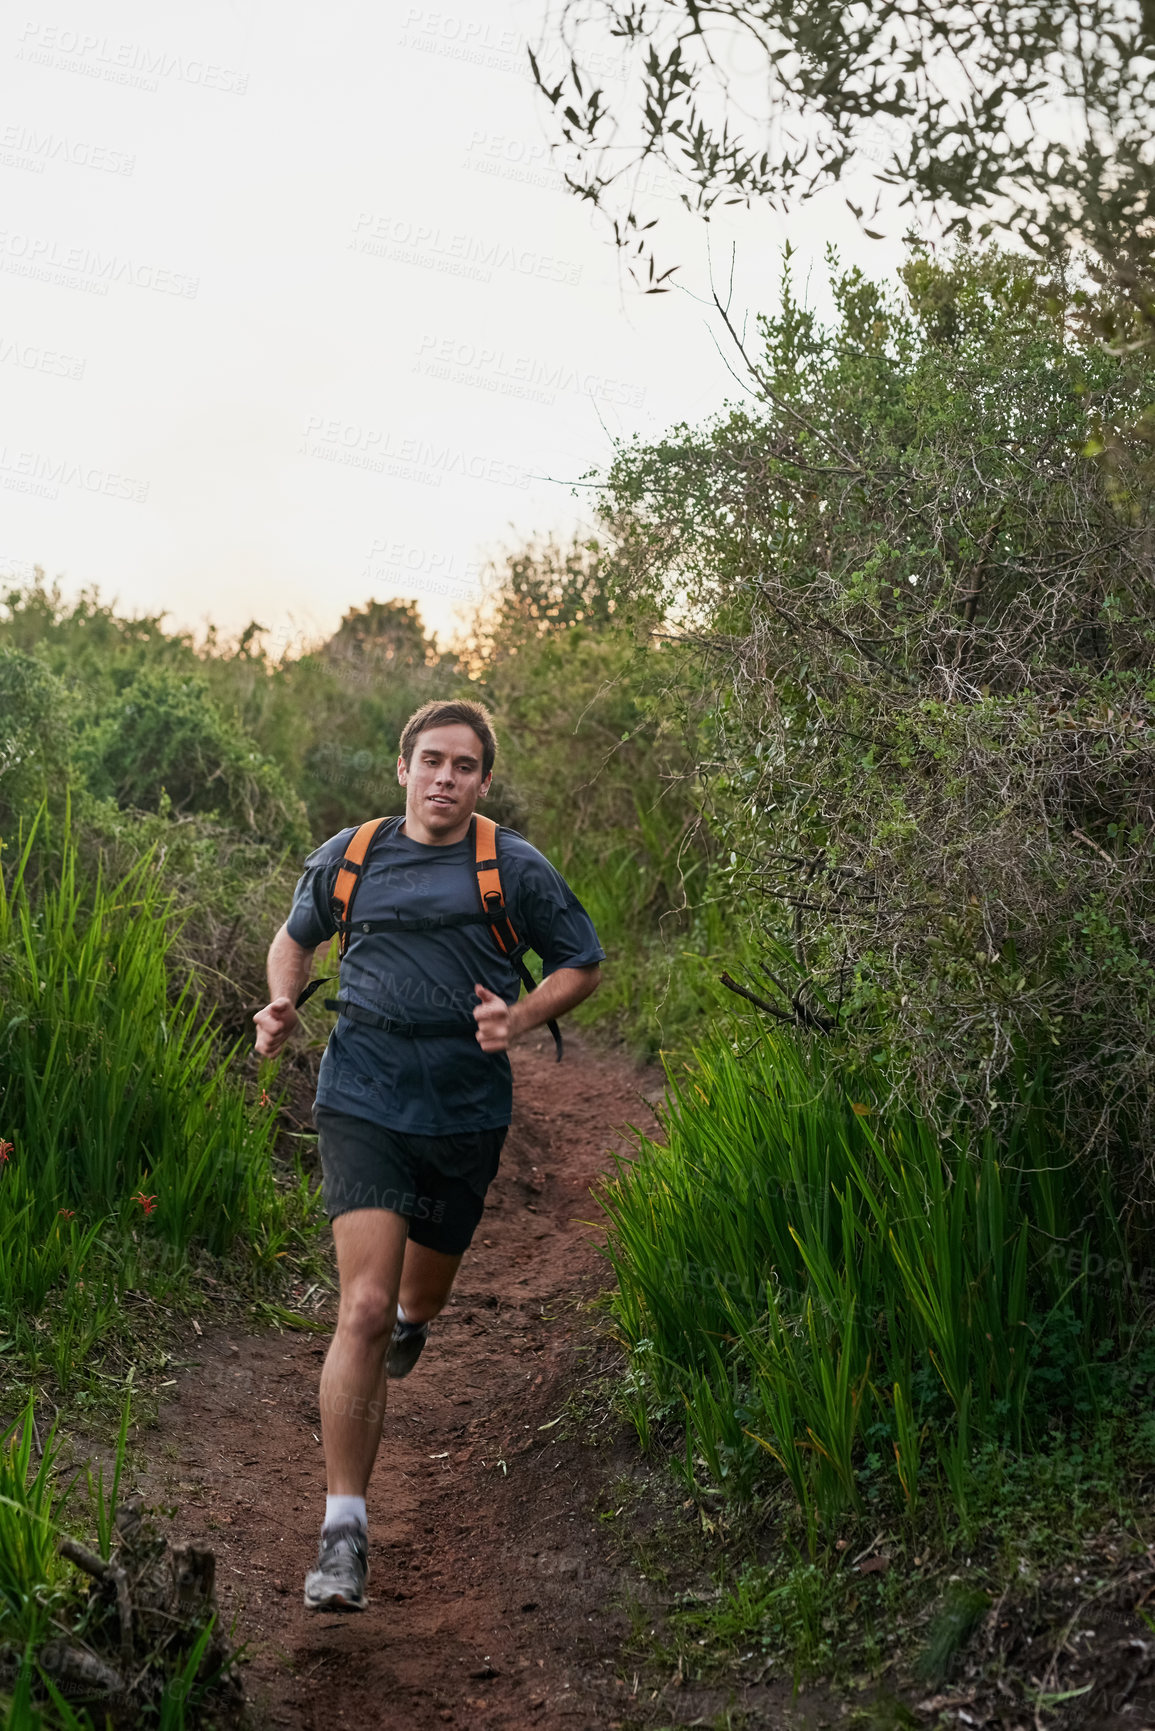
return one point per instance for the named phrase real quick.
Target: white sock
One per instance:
(401, 1316)
(339, 1510)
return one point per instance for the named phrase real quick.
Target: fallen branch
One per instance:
(85, 1559)
(102, 1571)
(753, 998)
(797, 1014)
(1095, 848)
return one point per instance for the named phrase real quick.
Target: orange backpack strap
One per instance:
(349, 877)
(485, 861)
(345, 888)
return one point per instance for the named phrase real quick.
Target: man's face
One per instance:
(443, 781)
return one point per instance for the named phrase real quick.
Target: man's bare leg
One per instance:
(426, 1281)
(375, 1262)
(371, 1247)
(370, 1253)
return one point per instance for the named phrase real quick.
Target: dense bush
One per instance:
(162, 742)
(915, 575)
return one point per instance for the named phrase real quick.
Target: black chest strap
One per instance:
(393, 1025)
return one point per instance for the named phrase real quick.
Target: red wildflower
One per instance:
(148, 1203)
(6, 1148)
(66, 1213)
(265, 1101)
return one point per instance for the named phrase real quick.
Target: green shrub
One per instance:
(127, 1137)
(824, 1290)
(35, 737)
(162, 739)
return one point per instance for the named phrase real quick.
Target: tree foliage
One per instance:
(35, 745)
(334, 714)
(595, 766)
(916, 576)
(164, 741)
(1034, 116)
(563, 669)
(131, 714)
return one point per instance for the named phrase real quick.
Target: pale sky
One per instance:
(296, 314)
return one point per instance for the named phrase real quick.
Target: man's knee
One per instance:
(367, 1313)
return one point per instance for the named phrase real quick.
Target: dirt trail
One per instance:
(497, 1594)
(489, 1591)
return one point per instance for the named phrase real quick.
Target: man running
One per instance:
(411, 1121)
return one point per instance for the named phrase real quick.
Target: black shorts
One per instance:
(437, 1182)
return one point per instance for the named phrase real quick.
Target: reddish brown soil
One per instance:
(495, 1597)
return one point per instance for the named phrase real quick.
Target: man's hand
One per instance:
(494, 1022)
(499, 1024)
(274, 1025)
(290, 965)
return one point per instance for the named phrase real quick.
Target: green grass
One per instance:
(819, 1293)
(31, 1574)
(137, 1179)
(742, 1601)
(852, 1336)
(131, 1146)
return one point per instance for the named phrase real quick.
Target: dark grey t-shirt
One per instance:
(434, 1085)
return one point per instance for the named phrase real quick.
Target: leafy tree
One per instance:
(35, 737)
(388, 635)
(542, 587)
(1037, 117)
(584, 746)
(163, 742)
(918, 570)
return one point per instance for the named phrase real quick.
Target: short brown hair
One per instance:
(459, 714)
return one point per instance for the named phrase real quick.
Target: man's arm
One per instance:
(289, 967)
(499, 1024)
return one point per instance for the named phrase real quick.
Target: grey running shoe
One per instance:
(338, 1581)
(405, 1348)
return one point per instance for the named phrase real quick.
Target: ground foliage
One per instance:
(143, 1646)
(128, 1138)
(819, 1289)
(915, 571)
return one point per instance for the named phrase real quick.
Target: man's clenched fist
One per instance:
(274, 1025)
(494, 1025)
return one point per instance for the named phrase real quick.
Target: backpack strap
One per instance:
(485, 862)
(493, 909)
(344, 890)
(349, 877)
